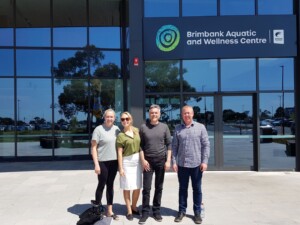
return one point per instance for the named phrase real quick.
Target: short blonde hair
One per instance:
(107, 111)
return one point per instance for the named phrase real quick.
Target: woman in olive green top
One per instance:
(128, 144)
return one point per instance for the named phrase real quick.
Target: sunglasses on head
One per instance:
(123, 119)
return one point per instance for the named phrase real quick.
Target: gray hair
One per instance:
(154, 106)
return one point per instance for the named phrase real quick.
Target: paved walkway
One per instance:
(55, 193)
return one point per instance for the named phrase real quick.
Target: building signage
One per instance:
(219, 37)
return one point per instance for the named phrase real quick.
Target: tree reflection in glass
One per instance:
(89, 96)
(164, 76)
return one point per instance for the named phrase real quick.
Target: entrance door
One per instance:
(236, 146)
(229, 122)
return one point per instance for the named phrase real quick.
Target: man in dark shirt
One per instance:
(156, 158)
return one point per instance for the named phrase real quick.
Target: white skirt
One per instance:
(133, 173)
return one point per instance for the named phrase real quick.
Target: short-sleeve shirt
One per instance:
(130, 145)
(105, 137)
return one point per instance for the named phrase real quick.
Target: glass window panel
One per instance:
(71, 116)
(33, 13)
(7, 120)
(200, 75)
(7, 62)
(62, 55)
(71, 63)
(111, 57)
(34, 99)
(6, 14)
(276, 131)
(34, 116)
(162, 76)
(269, 7)
(105, 37)
(237, 7)
(110, 65)
(71, 110)
(33, 37)
(271, 106)
(272, 72)
(69, 13)
(6, 37)
(238, 71)
(113, 91)
(66, 64)
(170, 109)
(237, 131)
(110, 92)
(199, 7)
(70, 37)
(33, 63)
(106, 93)
(289, 113)
(161, 8)
(204, 113)
(106, 12)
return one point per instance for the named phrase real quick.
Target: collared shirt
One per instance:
(190, 145)
(130, 145)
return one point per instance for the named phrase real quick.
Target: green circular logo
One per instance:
(167, 38)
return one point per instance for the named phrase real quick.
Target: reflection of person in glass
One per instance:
(128, 144)
(105, 159)
(156, 158)
(190, 148)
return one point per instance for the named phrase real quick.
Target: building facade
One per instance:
(63, 62)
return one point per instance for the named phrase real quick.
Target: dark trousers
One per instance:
(106, 177)
(183, 177)
(159, 171)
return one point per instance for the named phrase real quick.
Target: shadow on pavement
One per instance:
(118, 209)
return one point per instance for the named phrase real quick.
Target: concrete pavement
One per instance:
(56, 192)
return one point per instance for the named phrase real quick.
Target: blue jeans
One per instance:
(183, 177)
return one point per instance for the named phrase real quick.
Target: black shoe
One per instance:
(136, 212)
(157, 217)
(197, 219)
(179, 217)
(93, 202)
(100, 207)
(143, 219)
(129, 217)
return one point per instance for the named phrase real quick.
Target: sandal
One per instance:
(114, 216)
(129, 217)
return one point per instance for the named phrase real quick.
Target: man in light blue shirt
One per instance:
(190, 153)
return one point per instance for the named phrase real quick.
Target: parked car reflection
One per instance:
(266, 125)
